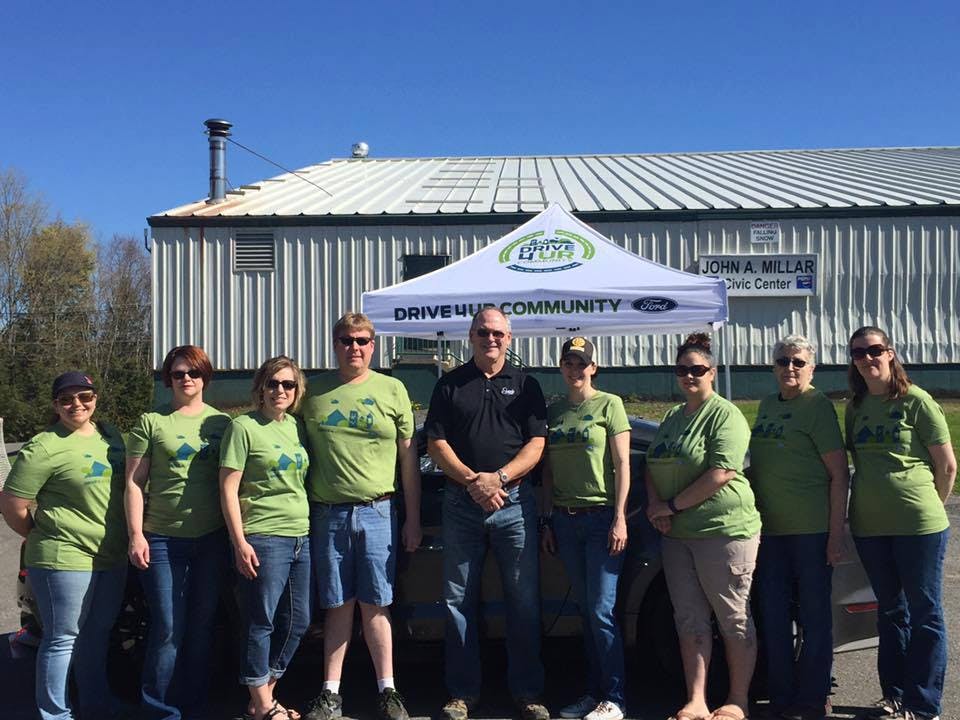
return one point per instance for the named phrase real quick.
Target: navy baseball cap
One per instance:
(72, 379)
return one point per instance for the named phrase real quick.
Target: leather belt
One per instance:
(366, 503)
(567, 510)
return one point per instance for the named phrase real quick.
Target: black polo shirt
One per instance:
(486, 420)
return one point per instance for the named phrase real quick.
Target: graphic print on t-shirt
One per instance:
(885, 434)
(770, 427)
(359, 418)
(575, 433)
(96, 472)
(669, 448)
(185, 451)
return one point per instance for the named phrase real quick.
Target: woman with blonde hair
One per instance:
(264, 498)
(905, 470)
(700, 500)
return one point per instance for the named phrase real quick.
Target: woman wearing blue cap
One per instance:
(76, 545)
(585, 486)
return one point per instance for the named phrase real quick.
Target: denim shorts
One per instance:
(354, 552)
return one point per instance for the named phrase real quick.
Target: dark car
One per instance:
(643, 604)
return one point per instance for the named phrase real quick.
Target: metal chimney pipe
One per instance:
(218, 131)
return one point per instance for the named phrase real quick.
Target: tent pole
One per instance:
(439, 358)
(726, 361)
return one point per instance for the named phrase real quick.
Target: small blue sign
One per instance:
(804, 282)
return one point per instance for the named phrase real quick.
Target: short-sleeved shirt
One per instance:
(893, 490)
(353, 430)
(685, 447)
(182, 494)
(788, 476)
(77, 482)
(485, 420)
(580, 459)
(273, 457)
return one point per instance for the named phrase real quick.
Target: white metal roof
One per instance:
(701, 182)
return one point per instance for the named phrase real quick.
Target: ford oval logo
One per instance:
(654, 304)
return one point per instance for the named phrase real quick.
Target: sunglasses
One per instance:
(695, 370)
(497, 334)
(287, 385)
(787, 362)
(181, 374)
(85, 397)
(348, 341)
(873, 351)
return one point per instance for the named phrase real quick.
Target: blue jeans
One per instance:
(77, 609)
(511, 532)
(182, 586)
(354, 548)
(782, 561)
(582, 543)
(275, 606)
(906, 572)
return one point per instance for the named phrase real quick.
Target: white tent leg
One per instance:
(725, 358)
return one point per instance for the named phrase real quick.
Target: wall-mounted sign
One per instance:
(764, 275)
(764, 232)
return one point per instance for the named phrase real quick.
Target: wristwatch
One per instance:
(673, 506)
(504, 478)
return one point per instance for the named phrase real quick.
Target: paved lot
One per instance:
(420, 677)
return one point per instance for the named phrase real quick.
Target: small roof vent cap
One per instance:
(360, 150)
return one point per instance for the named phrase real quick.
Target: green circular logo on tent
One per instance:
(537, 253)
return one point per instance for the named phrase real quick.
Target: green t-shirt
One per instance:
(893, 490)
(353, 430)
(786, 471)
(580, 458)
(273, 458)
(183, 490)
(77, 482)
(685, 447)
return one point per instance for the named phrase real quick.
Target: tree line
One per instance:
(68, 303)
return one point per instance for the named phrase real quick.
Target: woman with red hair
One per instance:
(176, 532)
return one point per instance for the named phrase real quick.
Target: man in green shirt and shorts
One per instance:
(359, 422)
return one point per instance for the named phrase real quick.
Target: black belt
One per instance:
(566, 510)
(366, 503)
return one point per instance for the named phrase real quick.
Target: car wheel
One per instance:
(128, 642)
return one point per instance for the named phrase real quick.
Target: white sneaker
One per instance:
(910, 715)
(605, 711)
(580, 708)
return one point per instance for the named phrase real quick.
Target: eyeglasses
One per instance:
(287, 385)
(348, 341)
(181, 374)
(67, 399)
(695, 370)
(497, 334)
(787, 362)
(873, 351)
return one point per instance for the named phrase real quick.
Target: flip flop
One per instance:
(721, 713)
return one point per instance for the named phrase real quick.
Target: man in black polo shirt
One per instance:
(486, 429)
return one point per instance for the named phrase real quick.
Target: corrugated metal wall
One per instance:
(902, 274)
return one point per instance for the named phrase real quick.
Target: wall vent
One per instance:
(254, 252)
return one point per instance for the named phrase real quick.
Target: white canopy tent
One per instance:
(553, 275)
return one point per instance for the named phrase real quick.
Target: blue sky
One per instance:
(102, 104)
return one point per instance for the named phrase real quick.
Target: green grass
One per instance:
(655, 410)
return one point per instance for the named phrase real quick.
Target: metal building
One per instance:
(818, 242)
